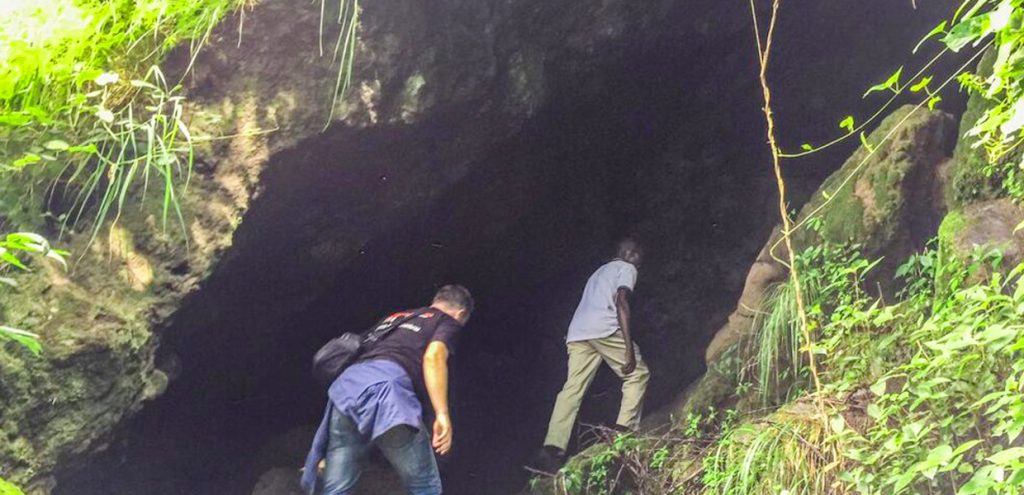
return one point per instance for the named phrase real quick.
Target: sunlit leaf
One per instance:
(105, 115)
(7, 488)
(940, 29)
(1016, 120)
(806, 147)
(847, 124)
(922, 84)
(1000, 18)
(864, 142)
(107, 78)
(892, 84)
(933, 101)
(27, 339)
(966, 33)
(56, 145)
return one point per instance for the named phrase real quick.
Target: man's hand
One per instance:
(630, 365)
(442, 434)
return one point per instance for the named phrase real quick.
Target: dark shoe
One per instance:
(617, 428)
(547, 460)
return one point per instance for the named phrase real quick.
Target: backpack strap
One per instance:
(378, 333)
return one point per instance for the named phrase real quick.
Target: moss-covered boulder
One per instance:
(983, 227)
(887, 198)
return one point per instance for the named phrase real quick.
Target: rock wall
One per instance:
(468, 72)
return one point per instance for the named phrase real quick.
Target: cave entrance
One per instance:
(665, 145)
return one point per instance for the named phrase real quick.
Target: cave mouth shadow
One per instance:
(666, 146)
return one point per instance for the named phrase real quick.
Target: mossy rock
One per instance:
(968, 181)
(983, 227)
(886, 187)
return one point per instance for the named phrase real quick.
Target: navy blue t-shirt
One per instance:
(406, 344)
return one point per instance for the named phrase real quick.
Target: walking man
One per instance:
(375, 402)
(600, 331)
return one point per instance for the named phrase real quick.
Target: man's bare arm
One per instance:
(623, 312)
(435, 375)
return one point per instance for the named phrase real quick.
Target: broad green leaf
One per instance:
(979, 483)
(1005, 456)
(1016, 120)
(1000, 18)
(965, 447)
(966, 32)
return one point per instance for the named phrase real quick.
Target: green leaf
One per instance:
(56, 145)
(1016, 120)
(933, 101)
(1000, 18)
(27, 339)
(28, 159)
(807, 147)
(892, 84)
(922, 84)
(940, 29)
(7, 488)
(847, 124)
(879, 387)
(1004, 457)
(6, 256)
(966, 32)
(865, 143)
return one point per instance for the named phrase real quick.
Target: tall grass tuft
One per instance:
(773, 351)
(85, 112)
(344, 47)
(788, 453)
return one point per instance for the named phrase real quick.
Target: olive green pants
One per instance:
(584, 359)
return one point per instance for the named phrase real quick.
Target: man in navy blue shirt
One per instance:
(375, 401)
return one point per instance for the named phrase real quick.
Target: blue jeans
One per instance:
(407, 449)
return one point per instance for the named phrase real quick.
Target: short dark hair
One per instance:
(627, 245)
(455, 295)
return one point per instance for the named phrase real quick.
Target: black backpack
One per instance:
(340, 352)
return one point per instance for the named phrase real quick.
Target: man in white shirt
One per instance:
(600, 331)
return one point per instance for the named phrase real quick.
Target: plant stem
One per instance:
(764, 52)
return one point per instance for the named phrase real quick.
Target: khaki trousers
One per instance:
(584, 359)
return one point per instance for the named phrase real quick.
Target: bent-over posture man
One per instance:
(375, 402)
(600, 331)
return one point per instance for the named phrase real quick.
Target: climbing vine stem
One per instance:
(764, 49)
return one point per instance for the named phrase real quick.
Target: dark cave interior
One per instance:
(665, 143)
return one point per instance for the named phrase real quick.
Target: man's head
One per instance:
(630, 251)
(455, 301)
